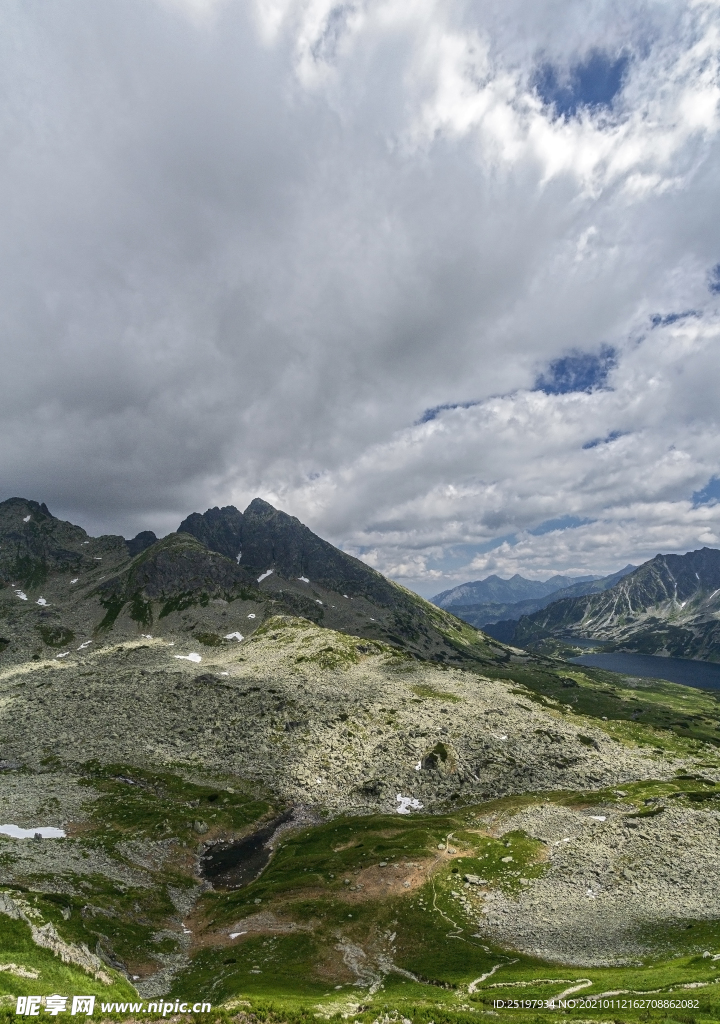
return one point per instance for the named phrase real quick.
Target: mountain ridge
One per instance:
(221, 568)
(670, 605)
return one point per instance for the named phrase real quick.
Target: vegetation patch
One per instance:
(429, 692)
(55, 636)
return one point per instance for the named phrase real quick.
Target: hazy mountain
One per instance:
(486, 613)
(496, 590)
(669, 605)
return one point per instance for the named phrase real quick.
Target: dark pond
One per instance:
(233, 865)
(703, 675)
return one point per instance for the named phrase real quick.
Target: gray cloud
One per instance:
(245, 247)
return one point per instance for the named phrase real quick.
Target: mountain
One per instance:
(223, 572)
(495, 590)
(670, 605)
(485, 613)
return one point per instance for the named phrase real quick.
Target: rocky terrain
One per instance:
(613, 882)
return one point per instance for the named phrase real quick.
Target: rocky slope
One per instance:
(669, 605)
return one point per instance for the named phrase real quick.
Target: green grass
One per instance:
(135, 803)
(644, 707)
(17, 947)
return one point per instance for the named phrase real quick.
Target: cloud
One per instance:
(361, 259)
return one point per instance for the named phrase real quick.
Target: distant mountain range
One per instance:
(670, 605)
(493, 600)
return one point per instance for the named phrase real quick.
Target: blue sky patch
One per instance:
(593, 83)
(577, 371)
(563, 523)
(710, 492)
(660, 320)
(612, 436)
(432, 414)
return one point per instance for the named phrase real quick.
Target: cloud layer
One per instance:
(411, 270)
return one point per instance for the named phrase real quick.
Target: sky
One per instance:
(442, 279)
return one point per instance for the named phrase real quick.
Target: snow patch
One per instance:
(407, 803)
(235, 935)
(29, 833)
(234, 636)
(63, 655)
(188, 657)
(265, 575)
(303, 579)
(21, 594)
(41, 601)
(146, 636)
(598, 817)
(26, 519)
(75, 580)
(84, 645)
(238, 556)
(317, 601)
(251, 615)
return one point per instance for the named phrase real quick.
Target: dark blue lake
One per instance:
(701, 674)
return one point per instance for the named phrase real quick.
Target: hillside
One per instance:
(669, 605)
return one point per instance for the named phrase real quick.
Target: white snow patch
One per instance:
(75, 580)
(84, 645)
(21, 594)
(63, 655)
(303, 579)
(26, 519)
(251, 615)
(265, 575)
(42, 601)
(235, 935)
(345, 595)
(407, 803)
(224, 673)
(188, 657)
(418, 766)
(238, 556)
(30, 833)
(97, 558)
(234, 636)
(146, 636)
(319, 781)
(317, 601)
(86, 542)
(598, 817)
